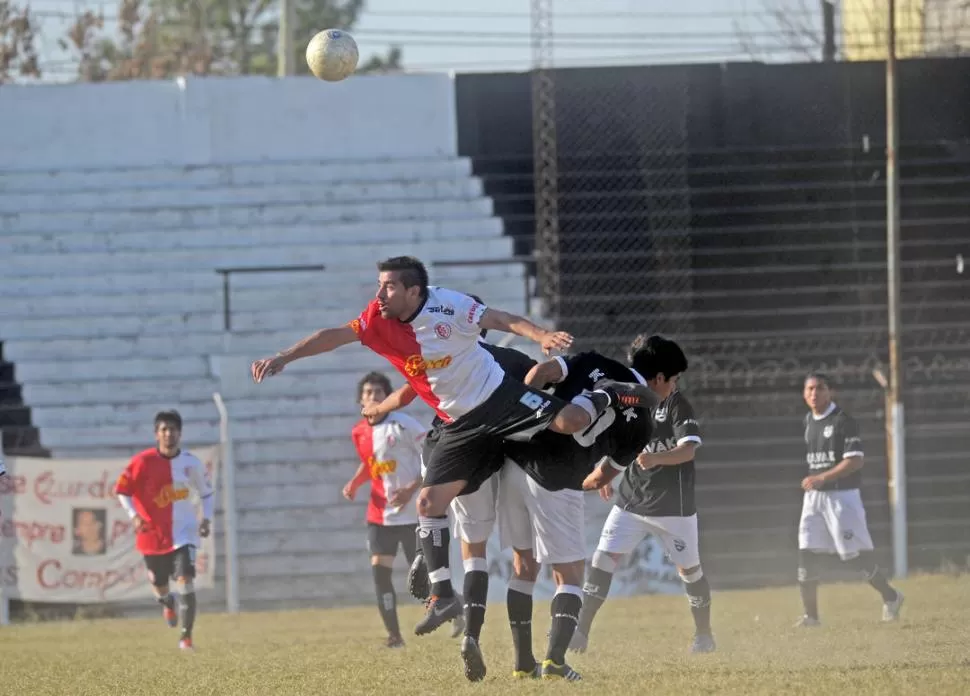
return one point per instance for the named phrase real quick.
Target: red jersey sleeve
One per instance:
(364, 324)
(128, 480)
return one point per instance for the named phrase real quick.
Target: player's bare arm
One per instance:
(542, 374)
(360, 477)
(397, 400)
(512, 323)
(847, 466)
(681, 454)
(601, 476)
(322, 341)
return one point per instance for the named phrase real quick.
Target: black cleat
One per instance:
(440, 611)
(627, 394)
(419, 584)
(471, 655)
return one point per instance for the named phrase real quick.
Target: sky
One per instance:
(494, 35)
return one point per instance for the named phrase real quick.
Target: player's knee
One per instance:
(568, 574)
(184, 586)
(691, 575)
(524, 565)
(473, 549)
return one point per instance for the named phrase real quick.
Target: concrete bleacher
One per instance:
(113, 309)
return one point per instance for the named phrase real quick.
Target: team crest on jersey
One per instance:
(661, 415)
(443, 330)
(827, 431)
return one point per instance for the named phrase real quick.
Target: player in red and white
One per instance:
(154, 489)
(430, 335)
(389, 447)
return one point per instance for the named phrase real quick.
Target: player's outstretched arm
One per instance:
(322, 341)
(545, 373)
(512, 323)
(397, 400)
(601, 476)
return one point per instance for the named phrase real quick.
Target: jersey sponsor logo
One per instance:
(170, 494)
(381, 467)
(471, 313)
(443, 330)
(416, 365)
(447, 311)
(827, 431)
(820, 460)
(357, 325)
(661, 445)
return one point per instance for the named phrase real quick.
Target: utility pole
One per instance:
(285, 51)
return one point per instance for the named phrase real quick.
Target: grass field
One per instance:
(637, 647)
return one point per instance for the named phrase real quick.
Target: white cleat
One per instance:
(579, 642)
(890, 610)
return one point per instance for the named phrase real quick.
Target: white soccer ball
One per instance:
(332, 55)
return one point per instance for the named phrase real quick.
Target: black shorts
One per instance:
(470, 448)
(179, 563)
(382, 540)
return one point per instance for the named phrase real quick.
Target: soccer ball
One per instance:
(332, 55)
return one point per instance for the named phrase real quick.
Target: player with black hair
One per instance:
(656, 496)
(833, 519)
(430, 335)
(389, 448)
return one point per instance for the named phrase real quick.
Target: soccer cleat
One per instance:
(185, 643)
(890, 610)
(807, 622)
(627, 395)
(550, 670)
(419, 585)
(471, 655)
(171, 616)
(440, 610)
(394, 642)
(457, 626)
(579, 643)
(534, 673)
(703, 643)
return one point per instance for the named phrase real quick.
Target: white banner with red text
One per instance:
(64, 537)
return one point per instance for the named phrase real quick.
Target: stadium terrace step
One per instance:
(148, 199)
(182, 178)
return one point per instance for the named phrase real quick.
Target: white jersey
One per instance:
(437, 351)
(391, 451)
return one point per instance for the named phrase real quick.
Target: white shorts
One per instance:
(623, 531)
(474, 514)
(531, 517)
(834, 522)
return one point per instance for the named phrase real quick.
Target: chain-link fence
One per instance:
(742, 211)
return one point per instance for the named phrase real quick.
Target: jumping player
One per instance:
(833, 517)
(656, 496)
(389, 448)
(430, 335)
(154, 490)
(542, 511)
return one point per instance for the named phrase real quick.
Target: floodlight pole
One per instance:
(897, 434)
(285, 49)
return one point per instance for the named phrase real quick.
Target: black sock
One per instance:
(808, 582)
(476, 596)
(866, 564)
(519, 605)
(386, 599)
(699, 596)
(187, 613)
(435, 536)
(565, 609)
(595, 591)
(168, 601)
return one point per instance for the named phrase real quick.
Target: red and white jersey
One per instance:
(158, 490)
(437, 351)
(391, 450)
